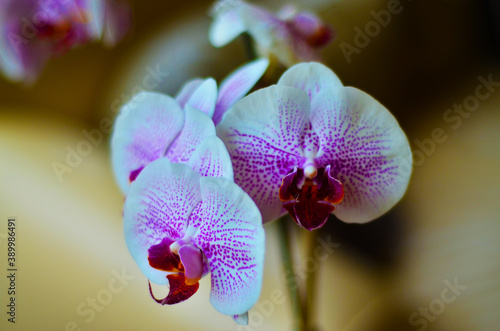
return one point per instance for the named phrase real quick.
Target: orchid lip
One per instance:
(310, 200)
(183, 261)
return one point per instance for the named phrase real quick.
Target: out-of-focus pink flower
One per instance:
(31, 32)
(290, 35)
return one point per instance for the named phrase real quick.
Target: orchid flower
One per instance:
(33, 31)
(153, 125)
(290, 35)
(311, 146)
(184, 221)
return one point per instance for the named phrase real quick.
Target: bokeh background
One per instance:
(75, 271)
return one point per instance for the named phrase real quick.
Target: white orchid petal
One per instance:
(159, 204)
(367, 150)
(263, 133)
(232, 239)
(310, 77)
(143, 130)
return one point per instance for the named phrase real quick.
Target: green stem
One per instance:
(311, 283)
(286, 254)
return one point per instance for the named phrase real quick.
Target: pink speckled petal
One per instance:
(146, 126)
(204, 97)
(232, 238)
(367, 150)
(158, 205)
(197, 127)
(237, 84)
(262, 133)
(311, 77)
(187, 91)
(227, 23)
(211, 159)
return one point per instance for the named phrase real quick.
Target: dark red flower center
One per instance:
(310, 201)
(186, 265)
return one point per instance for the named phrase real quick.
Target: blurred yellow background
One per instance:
(74, 269)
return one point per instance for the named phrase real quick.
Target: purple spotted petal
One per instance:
(310, 77)
(211, 159)
(187, 91)
(158, 205)
(263, 133)
(146, 126)
(204, 97)
(367, 150)
(197, 127)
(232, 238)
(237, 84)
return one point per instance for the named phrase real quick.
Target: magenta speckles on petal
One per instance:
(232, 238)
(180, 226)
(263, 134)
(158, 205)
(365, 147)
(197, 127)
(146, 126)
(322, 143)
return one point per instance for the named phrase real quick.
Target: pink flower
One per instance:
(154, 125)
(290, 35)
(183, 221)
(32, 32)
(311, 146)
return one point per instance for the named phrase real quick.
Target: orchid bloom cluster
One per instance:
(184, 216)
(308, 146)
(290, 35)
(311, 146)
(33, 31)
(202, 172)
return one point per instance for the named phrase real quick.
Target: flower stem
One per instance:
(298, 311)
(311, 283)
